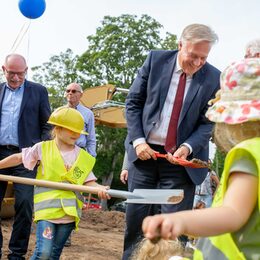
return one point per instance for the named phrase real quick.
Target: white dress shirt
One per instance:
(159, 132)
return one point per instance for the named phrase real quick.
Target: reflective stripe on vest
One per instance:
(221, 247)
(225, 243)
(205, 246)
(58, 203)
(38, 190)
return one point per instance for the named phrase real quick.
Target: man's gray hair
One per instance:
(195, 33)
(78, 86)
(16, 56)
(253, 46)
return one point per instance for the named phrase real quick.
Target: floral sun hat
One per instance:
(239, 94)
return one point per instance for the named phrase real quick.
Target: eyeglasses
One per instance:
(13, 73)
(73, 91)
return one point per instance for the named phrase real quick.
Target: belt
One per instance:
(9, 147)
(158, 148)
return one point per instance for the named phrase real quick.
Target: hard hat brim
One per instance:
(69, 128)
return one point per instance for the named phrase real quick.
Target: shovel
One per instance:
(143, 196)
(194, 163)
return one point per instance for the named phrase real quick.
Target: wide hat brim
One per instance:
(234, 112)
(71, 128)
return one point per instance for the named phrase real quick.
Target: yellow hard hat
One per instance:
(68, 118)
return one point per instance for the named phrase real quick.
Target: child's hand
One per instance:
(164, 226)
(102, 194)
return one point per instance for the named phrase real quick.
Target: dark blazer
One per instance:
(146, 98)
(34, 114)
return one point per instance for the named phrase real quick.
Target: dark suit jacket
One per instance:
(34, 114)
(146, 99)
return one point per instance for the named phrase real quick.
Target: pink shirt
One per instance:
(30, 157)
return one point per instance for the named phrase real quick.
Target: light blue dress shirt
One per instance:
(87, 141)
(10, 115)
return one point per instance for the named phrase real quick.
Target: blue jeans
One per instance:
(50, 239)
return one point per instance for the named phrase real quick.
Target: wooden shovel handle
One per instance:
(50, 184)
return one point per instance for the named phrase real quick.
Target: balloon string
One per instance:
(20, 37)
(28, 46)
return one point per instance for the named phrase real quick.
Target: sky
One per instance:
(67, 23)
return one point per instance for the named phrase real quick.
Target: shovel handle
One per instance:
(123, 194)
(50, 184)
(67, 186)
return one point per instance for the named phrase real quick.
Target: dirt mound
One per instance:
(104, 219)
(100, 237)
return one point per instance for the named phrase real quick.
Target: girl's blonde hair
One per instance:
(227, 136)
(54, 131)
(162, 250)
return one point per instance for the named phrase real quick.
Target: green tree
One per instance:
(218, 162)
(2, 76)
(118, 48)
(56, 74)
(170, 42)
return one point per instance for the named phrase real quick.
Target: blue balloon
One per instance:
(32, 8)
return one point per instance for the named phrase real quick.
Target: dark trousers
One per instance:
(23, 194)
(151, 174)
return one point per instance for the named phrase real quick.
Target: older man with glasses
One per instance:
(24, 111)
(73, 93)
(165, 112)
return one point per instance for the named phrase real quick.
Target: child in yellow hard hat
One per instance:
(231, 227)
(57, 212)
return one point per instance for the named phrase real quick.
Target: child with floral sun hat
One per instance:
(231, 227)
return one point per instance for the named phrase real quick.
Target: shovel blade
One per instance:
(157, 196)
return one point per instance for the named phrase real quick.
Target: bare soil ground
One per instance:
(100, 237)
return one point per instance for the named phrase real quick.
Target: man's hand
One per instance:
(145, 152)
(124, 176)
(182, 152)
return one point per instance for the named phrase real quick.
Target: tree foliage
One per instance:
(218, 163)
(118, 48)
(56, 74)
(2, 78)
(170, 42)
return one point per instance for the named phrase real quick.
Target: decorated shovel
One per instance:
(194, 163)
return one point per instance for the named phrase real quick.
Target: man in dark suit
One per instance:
(149, 107)
(24, 111)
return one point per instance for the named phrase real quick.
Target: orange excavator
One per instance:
(106, 111)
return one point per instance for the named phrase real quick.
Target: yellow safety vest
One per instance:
(50, 203)
(223, 247)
